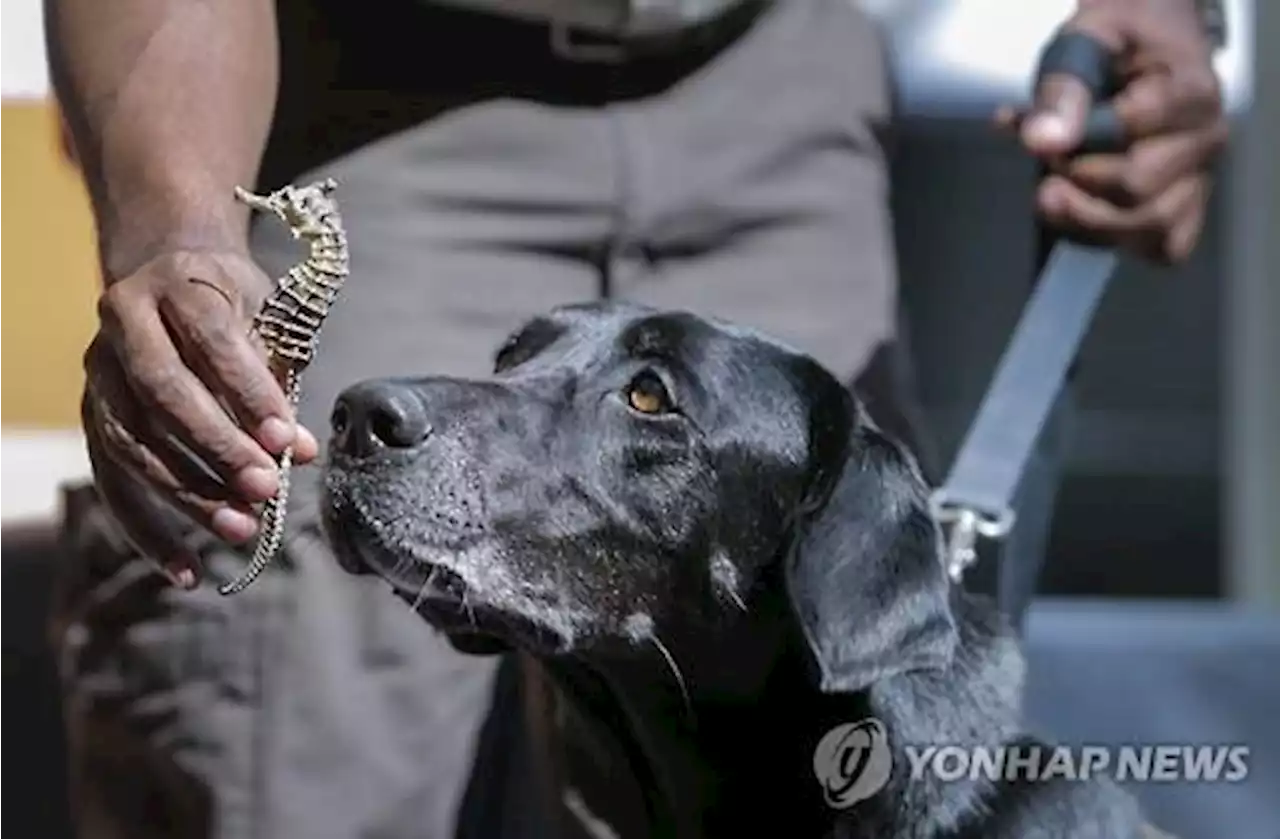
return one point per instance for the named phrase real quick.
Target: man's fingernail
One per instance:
(275, 433)
(234, 525)
(1047, 128)
(259, 482)
(181, 575)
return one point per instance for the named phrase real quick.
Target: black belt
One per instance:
(582, 46)
(577, 45)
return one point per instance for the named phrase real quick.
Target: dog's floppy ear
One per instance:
(865, 574)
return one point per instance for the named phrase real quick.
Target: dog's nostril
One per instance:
(340, 419)
(394, 424)
(375, 415)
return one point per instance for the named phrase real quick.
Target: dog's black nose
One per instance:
(376, 415)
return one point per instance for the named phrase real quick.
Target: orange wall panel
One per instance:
(48, 271)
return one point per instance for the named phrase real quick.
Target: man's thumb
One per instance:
(1056, 123)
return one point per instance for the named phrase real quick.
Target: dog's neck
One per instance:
(722, 751)
(696, 722)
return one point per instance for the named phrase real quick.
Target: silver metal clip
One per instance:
(966, 525)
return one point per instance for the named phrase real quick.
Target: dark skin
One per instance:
(1150, 198)
(168, 103)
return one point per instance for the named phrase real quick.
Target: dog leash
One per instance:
(976, 499)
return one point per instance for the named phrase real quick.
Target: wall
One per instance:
(1253, 439)
(48, 277)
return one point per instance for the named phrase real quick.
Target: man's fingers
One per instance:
(132, 444)
(1149, 229)
(306, 449)
(1164, 100)
(1147, 170)
(213, 336)
(141, 522)
(1063, 202)
(1056, 123)
(1174, 220)
(130, 431)
(1182, 239)
(1008, 117)
(185, 406)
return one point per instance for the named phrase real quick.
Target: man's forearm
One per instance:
(169, 103)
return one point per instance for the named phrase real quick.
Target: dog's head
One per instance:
(628, 470)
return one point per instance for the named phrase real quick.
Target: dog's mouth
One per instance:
(437, 593)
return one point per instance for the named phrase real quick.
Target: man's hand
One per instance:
(1150, 198)
(173, 380)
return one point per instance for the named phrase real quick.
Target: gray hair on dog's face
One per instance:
(627, 471)
(632, 479)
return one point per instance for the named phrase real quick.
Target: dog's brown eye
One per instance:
(648, 395)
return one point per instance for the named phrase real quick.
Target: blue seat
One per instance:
(1159, 673)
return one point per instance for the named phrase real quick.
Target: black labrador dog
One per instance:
(715, 558)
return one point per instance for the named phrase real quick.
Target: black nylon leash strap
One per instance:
(976, 498)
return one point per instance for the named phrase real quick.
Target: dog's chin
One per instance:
(476, 643)
(465, 630)
(345, 532)
(436, 593)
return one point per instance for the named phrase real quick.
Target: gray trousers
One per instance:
(742, 178)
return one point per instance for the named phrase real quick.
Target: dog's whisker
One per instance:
(795, 500)
(423, 590)
(421, 596)
(725, 577)
(675, 671)
(737, 600)
(466, 607)
(402, 564)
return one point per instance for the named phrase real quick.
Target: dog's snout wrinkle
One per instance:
(372, 416)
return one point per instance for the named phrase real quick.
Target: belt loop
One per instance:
(571, 45)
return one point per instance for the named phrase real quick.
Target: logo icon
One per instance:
(852, 762)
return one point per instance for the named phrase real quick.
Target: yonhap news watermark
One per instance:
(854, 761)
(1128, 763)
